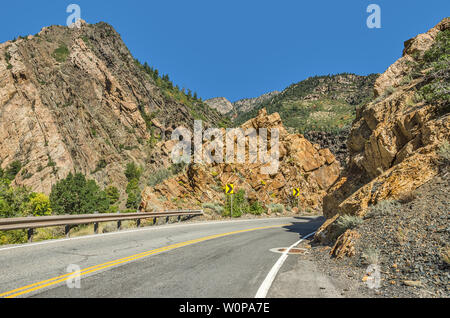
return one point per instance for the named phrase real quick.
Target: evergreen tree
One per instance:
(76, 195)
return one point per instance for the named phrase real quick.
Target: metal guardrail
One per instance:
(68, 221)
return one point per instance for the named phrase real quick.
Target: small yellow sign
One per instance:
(296, 192)
(229, 189)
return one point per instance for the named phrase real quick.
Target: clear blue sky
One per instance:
(244, 48)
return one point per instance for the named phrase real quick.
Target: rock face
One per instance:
(394, 141)
(336, 142)
(221, 104)
(75, 100)
(247, 104)
(301, 165)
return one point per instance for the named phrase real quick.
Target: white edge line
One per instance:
(147, 228)
(267, 283)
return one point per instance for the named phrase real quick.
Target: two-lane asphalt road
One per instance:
(204, 259)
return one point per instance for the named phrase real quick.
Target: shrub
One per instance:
(13, 200)
(371, 255)
(13, 169)
(346, 222)
(158, 177)
(216, 207)
(13, 237)
(276, 207)
(39, 205)
(134, 194)
(113, 194)
(444, 150)
(100, 165)
(256, 208)
(76, 195)
(382, 208)
(61, 53)
(240, 204)
(133, 171)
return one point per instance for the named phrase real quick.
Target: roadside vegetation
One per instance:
(435, 64)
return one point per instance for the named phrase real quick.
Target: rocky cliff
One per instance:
(396, 140)
(76, 100)
(247, 104)
(221, 104)
(302, 165)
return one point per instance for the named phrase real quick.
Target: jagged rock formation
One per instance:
(225, 107)
(247, 104)
(395, 139)
(221, 104)
(336, 142)
(76, 100)
(302, 165)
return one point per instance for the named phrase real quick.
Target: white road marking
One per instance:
(135, 230)
(267, 283)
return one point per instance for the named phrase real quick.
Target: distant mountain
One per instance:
(247, 104)
(221, 104)
(320, 103)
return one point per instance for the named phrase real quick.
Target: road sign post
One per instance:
(229, 189)
(296, 194)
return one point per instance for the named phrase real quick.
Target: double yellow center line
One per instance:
(56, 280)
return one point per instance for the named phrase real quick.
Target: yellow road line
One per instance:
(55, 280)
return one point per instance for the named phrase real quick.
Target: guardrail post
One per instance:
(30, 235)
(167, 219)
(96, 228)
(119, 225)
(179, 218)
(154, 221)
(67, 230)
(138, 223)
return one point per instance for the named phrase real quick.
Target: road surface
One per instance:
(206, 259)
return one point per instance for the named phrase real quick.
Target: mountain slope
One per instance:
(76, 100)
(320, 103)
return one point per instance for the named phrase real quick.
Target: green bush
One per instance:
(13, 169)
(256, 208)
(276, 207)
(158, 177)
(38, 205)
(61, 53)
(240, 204)
(134, 194)
(13, 200)
(346, 222)
(216, 207)
(113, 194)
(436, 61)
(133, 171)
(76, 195)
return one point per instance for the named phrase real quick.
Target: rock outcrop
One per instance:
(394, 140)
(221, 104)
(301, 165)
(247, 104)
(76, 100)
